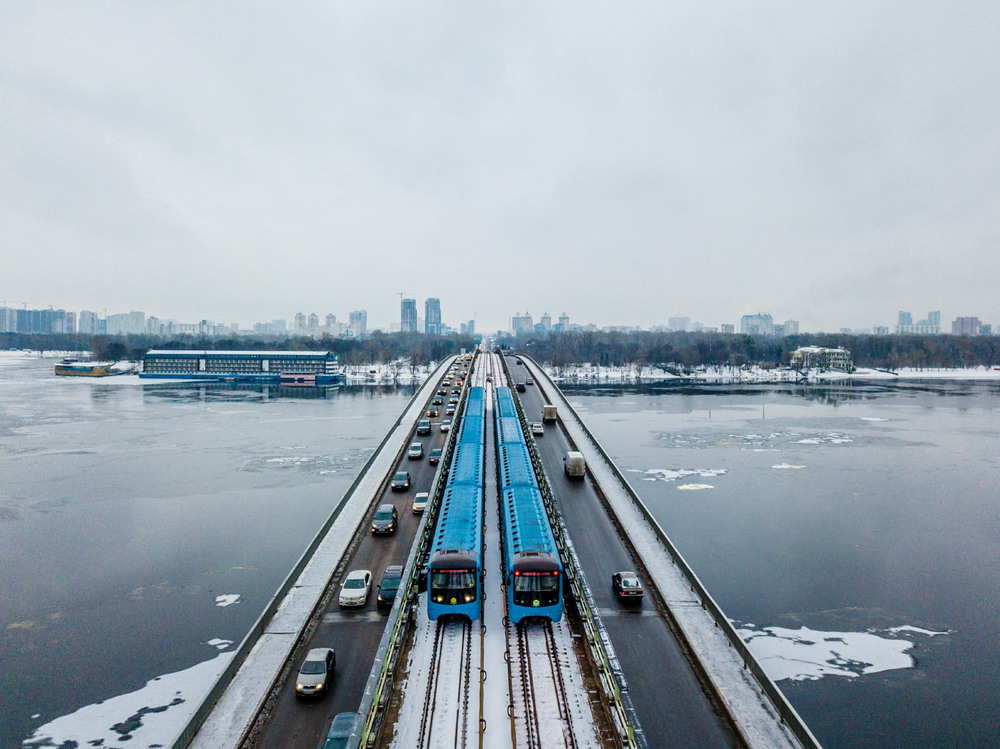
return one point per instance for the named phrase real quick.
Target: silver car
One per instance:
(316, 672)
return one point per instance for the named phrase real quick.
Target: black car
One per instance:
(435, 456)
(385, 519)
(400, 481)
(391, 580)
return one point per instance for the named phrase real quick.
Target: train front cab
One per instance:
(534, 587)
(453, 584)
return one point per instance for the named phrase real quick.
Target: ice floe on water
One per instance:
(872, 418)
(152, 716)
(219, 643)
(695, 487)
(781, 466)
(672, 474)
(834, 438)
(808, 654)
(227, 599)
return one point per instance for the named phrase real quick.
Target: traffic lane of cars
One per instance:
(353, 633)
(649, 653)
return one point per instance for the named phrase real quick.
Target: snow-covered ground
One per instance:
(636, 373)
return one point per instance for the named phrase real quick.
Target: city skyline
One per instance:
(136, 322)
(658, 161)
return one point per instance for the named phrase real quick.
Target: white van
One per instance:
(574, 465)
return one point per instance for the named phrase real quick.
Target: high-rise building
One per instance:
(904, 318)
(791, 327)
(934, 318)
(313, 321)
(408, 316)
(88, 322)
(756, 325)
(546, 322)
(359, 322)
(432, 316)
(679, 323)
(522, 324)
(470, 328)
(300, 321)
(727, 328)
(331, 321)
(966, 326)
(564, 321)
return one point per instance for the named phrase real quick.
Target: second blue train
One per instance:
(454, 571)
(531, 559)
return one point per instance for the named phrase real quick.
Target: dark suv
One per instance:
(385, 519)
(387, 589)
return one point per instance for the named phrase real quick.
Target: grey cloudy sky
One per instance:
(826, 162)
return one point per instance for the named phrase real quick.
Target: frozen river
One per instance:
(852, 532)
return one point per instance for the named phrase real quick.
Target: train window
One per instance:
(538, 582)
(455, 579)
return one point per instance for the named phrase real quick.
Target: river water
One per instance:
(853, 533)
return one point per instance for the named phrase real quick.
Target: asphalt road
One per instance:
(673, 708)
(355, 633)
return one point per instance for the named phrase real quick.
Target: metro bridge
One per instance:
(669, 673)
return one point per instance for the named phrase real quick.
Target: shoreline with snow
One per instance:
(632, 373)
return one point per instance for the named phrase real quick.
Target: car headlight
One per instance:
(320, 685)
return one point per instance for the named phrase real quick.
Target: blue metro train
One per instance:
(454, 571)
(531, 559)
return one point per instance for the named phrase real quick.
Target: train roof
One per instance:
(504, 402)
(467, 464)
(475, 401)
(471, 429)
(459, 521)
(525, 521)
(514, 465)
(509, 429)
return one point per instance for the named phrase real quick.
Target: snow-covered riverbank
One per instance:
(589, 373)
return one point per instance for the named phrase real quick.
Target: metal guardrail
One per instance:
(379, 684)
(789, 716)
(612, 678)
(250, 640)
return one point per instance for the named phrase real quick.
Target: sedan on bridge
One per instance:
(316, 672)
(357, 585)
(627, 587)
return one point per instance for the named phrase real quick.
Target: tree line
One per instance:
(609, 348)
(689, 350)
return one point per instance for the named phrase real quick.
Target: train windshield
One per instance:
(454, 586)
(536, 589)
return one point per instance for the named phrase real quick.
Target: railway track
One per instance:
(545, 715)
(445, 721)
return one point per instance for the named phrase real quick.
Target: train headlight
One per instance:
(468, 597)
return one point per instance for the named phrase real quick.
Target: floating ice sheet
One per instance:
(809, 654)
(672, 474)
(227, 599)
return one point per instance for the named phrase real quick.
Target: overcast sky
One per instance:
(622, 162)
